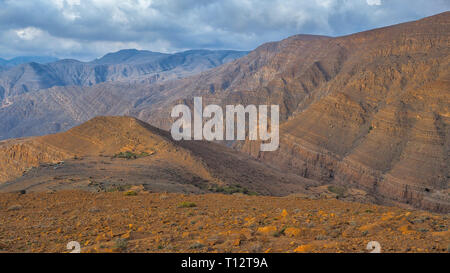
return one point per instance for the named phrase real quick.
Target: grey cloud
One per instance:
(89, 28)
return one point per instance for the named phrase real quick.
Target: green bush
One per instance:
(279, 233)
(196, 246)
(121, 244)
(130, 155)
(130, 193)
(187, 205)
(340, 191)
(115, 188)
(230, 189)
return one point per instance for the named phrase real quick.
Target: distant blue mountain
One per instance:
(3, 61)
(130, 56)
(26, 74)
(27, 59)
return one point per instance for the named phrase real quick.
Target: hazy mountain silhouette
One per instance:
(129, 65)
(27, 59)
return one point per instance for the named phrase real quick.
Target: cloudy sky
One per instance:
(86, 29)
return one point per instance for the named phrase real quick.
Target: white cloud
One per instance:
(28, 33)
(89, 28)
(373, 2)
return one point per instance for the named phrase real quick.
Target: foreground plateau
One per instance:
(141, 221)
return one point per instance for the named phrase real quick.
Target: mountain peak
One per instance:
(129, 56)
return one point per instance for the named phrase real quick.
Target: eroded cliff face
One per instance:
(18, 156)
(382, 121)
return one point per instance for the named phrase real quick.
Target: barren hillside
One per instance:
(116, 153)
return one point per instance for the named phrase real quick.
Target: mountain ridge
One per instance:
(97, 151)
(27, 59)
(125, 65)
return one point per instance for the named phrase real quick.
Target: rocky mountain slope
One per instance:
(379, 116)
(125, 65)
(369, 110)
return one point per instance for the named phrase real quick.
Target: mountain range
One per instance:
(369, 110)
(128, 65)
(26, 59)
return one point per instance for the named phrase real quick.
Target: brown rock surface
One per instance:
(379, 116)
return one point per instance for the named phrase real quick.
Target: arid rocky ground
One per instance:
(139, 221)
